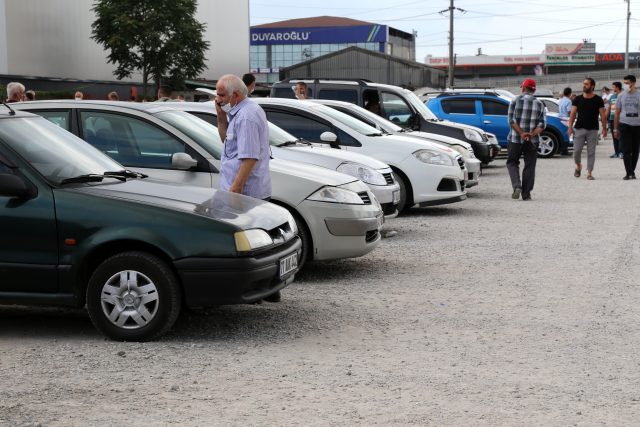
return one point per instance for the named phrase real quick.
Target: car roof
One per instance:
(7, 112)
(149, 107)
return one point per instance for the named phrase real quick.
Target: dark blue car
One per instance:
(488, 110)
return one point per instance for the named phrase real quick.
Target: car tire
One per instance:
(402, 204)
(305, 238)
(133, 296)
(548, 145)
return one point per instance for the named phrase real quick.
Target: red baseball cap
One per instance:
(529, 83)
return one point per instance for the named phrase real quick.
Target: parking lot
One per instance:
(486, 312)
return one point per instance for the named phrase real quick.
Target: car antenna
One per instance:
(11, 110)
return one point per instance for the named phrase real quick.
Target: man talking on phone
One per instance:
(243, 128)
(527, 119)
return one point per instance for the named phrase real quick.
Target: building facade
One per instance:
(286, 43)
(52, 39)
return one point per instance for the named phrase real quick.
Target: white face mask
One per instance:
(226, 107)
(78, 98)
(625, 87)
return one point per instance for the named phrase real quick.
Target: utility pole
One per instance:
(626, 50)
(452, 64)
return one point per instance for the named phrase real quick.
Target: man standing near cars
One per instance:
(527, 119)
(242, 125)
(611, 113)
(301, 90)
(564, 106)
(586, 107)
(15, 92)
(626, 125)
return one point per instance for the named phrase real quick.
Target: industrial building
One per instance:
(48, 44)
(277, 45)
(358, 63)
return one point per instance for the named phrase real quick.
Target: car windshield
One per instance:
(203, 133)
(420, 106)
(349, 121)
(384, 124)
(55, 153)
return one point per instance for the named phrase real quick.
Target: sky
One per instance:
(498, 27)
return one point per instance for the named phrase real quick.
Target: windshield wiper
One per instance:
(91, 177)
(375, 134)
(297, 141)
(125, 173)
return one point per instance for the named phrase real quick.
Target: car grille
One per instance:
(365, 197)
(388, 177)
(281, 234)
(371, 236)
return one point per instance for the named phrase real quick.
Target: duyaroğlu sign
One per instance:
(317, 35)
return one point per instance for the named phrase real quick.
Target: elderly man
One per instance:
(15, 92)
(242, 125)
(527, 119)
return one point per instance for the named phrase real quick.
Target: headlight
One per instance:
(463, 151)
(472, 135)
(249, 240)
(336, 195)
(433, 157)
(363, 173)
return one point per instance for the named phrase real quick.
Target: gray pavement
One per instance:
(486, 312)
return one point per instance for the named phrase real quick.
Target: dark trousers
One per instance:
(616, 141)
(630, 146)
(530, 153)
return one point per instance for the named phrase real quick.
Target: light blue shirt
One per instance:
(247, 138)
(565, 107)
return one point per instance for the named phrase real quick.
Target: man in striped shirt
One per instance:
(527, 119)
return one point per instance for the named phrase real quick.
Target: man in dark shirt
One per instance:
(586, 107)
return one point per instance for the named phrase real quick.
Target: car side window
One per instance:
(60, 118)
(396, 109)
(459, 106)
(494, 108)
(129, 140)
(299, 126)
(209, 118)
(339, 95)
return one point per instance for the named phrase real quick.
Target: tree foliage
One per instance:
(155, 37)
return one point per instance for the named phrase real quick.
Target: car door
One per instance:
(396, 109)
(29, 244)
(141, 145)
(495, 119)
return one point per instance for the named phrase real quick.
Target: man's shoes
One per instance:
(274, 297)
(613, 156)
(627, 177)
(633, 176)
(526, 197)
(516, 193)
(576, 173)
(621, 156)
(590, 177)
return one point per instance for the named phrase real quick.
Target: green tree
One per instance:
(155, 37)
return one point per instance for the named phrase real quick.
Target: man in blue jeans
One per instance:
(527, 119)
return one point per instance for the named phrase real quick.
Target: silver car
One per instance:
(464, 148)
(376, 174)
(337, 215)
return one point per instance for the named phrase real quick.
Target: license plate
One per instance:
(288, 264)
(396, 197)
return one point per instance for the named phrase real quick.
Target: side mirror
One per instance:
(183, 161)
(331, 138)
(15, 187)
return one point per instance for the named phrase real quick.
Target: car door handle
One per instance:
(487, 122)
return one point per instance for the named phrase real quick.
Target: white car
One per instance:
(464, 148)
(376, 174)
(429, 174)
(337, 215)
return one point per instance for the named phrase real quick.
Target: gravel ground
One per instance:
(486, 312)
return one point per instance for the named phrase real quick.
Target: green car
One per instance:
(77, 228)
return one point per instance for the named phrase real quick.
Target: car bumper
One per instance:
(474, 168)
(434, 184)
(340, 230)
(241, 280)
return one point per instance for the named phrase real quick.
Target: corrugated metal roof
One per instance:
(318, 21)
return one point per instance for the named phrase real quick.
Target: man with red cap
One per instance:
(527, 119)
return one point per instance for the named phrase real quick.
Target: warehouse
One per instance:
(358, 63)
